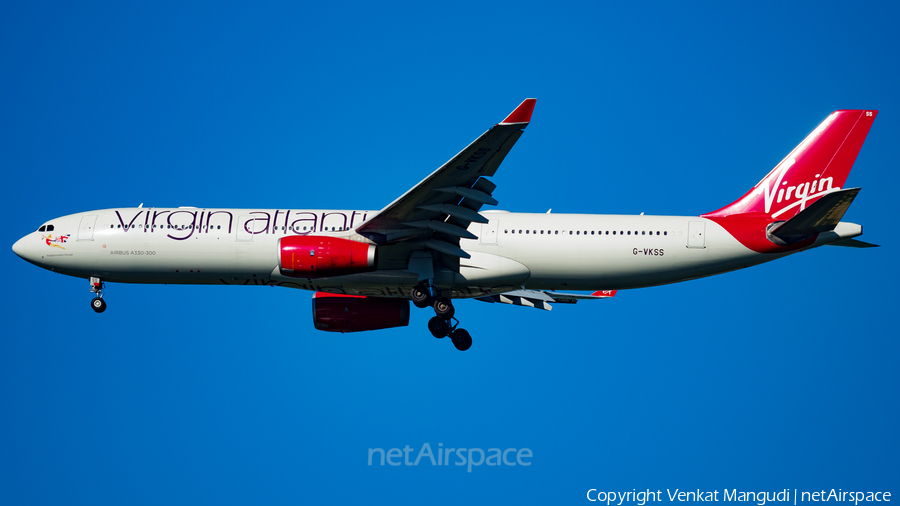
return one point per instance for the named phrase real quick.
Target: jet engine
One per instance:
(354, 313)
(311, 256)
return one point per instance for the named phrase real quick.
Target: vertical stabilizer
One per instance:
(817, 166)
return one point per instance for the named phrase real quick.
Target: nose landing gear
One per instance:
(97, 303)
(440, 325)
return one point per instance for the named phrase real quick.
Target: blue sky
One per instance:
(779, 376)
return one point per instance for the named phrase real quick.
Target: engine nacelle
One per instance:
(315, 256)
(355, 313)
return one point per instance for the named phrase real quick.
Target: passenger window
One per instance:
(665, 233)
(557, 232)
(542, 232)
(219, 227)
(629, 232)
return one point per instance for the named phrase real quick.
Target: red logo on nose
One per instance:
(56, 242)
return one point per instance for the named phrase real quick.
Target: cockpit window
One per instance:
(49, 228)
(43, 228)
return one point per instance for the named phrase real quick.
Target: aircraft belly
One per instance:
(490, 269)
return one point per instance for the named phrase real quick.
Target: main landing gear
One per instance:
(440, 325)
(97, 303)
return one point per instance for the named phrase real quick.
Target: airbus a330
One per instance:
(436, 243)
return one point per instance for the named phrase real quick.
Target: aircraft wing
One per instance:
(435, 213)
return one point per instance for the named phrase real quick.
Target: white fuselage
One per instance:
(535, 251)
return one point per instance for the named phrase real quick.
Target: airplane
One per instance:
(434, 244)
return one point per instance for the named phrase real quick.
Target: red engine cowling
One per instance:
(313, 256)
(355, 313)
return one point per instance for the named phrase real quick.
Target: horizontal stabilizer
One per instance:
(822, 216)
(853, 243)
(541, 299)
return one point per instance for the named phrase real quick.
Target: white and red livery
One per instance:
(436, 242)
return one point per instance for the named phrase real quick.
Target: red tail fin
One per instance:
(818, 165)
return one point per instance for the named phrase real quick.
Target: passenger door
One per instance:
(696, 234)
(86, 229)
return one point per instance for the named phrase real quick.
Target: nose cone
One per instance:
(23, 249)
(19, 248)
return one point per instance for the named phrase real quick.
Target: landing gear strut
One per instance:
(97, 303)
(442, 324)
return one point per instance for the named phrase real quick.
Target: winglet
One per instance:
(522, 114)
(605, 293)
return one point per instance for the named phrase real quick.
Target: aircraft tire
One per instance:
(461, 339)
(98, 305)
(443, 307)
(420, 296)
(438, 327)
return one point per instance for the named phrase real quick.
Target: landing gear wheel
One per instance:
(98, 305)
(443, 308)
(439, 327)
(461, 339)
(420, 296)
